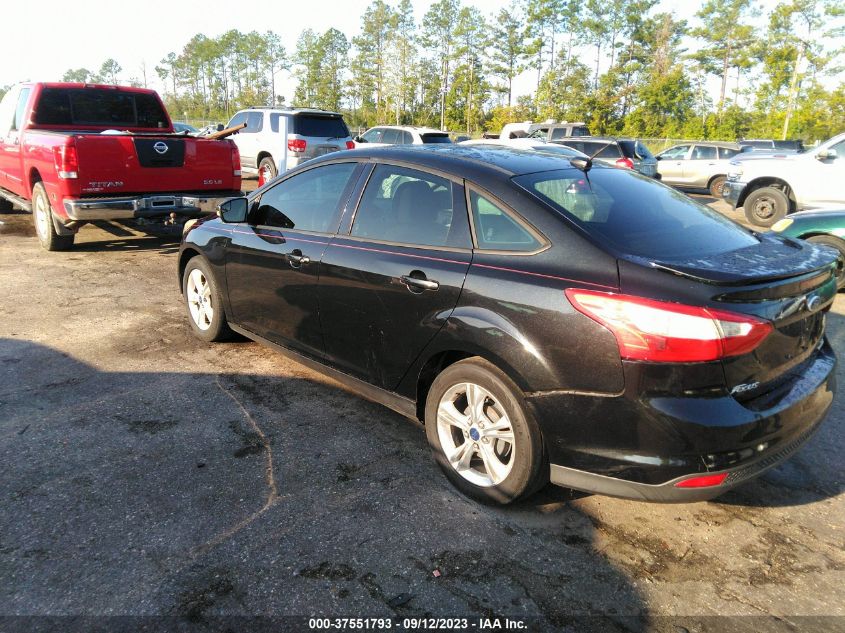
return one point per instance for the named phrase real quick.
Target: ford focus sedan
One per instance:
(544, 319)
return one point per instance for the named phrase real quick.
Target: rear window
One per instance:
(317, 125)
(435, 138)
(635, 215)
(99, 108)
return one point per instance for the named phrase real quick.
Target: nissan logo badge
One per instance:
(813, 303)
(160, 147)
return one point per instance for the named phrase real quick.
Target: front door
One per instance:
(671, 164)
(390, 282)
(12, 115)
(273, 261)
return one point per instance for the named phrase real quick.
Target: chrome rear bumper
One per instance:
(142, 206)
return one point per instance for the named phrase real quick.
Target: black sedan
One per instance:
(544, 318)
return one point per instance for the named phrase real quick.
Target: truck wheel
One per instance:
(765, 206)
(203, 302)
(839, 245)
(482, 435)
(266, 170)
(42, 217)
(717, 186)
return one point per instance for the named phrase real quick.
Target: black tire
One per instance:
(528, 471)
(42, 218)
(716, 187)
(765, 206)
(839, 245)
(270, 167)
(217, 328)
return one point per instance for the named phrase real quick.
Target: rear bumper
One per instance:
(732, 191)
(640, 447)
(143, 206)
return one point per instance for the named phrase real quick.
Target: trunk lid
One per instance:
(112, 164)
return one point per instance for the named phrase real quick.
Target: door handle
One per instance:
(297, 260)
(419, 283)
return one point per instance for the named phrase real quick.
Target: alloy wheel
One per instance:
(199, 299)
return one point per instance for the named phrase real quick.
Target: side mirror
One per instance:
(220, 127)
(658, 157)
(233, 210)
(827, 154)
(358, 139)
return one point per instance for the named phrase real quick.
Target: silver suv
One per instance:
(697, 165)
(278, 139)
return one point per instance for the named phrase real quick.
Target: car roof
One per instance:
(472, 161)
(725, 144)
(411, 128)
(291, 110)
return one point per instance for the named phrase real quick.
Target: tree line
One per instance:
(622, 67)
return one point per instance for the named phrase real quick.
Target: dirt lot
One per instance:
(147, 473)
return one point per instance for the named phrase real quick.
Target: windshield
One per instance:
(100, 107)
(635, 215)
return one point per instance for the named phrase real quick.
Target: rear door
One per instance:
(701, 165)
(389, 282)
(273, 260)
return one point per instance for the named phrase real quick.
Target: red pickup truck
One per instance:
(72, 153)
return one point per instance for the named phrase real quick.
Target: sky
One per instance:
(84, 33)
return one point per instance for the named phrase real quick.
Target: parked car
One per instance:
(626, 153)
(401, 135)
(184, 127)
(819, 227)
(770, 187)
(543, 320)
(771, 145)
(278, 139)
(73, 153)
(699, 165)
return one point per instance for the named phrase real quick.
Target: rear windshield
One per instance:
(435, 138)
(99, 108)
(316, 125)
(635, 215)
(605, 149)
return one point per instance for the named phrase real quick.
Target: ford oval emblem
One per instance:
(160, 147)
(813, 303)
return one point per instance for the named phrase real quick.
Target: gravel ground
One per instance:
(146, 473)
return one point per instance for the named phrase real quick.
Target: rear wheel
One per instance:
(482, 435)
(839, 245)
(42, 217)
(203, 302)
(717, 186)
(266, 170)
(765, 206)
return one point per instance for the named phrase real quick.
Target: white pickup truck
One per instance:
(770, 186)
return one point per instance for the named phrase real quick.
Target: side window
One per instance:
(239, 118)
(410, 207)
(407, 139)
(839, 148)
(373, 136)
(391, 136)
(704, 152)
(254, 122)
(610, 151)
(727, 152)
(557, 133)
(21, 108)
(306, 202)
(276, 122)
(676, 153)
(496, 230)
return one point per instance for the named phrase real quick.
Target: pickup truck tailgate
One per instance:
(125, 163)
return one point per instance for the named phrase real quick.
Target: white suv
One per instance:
(401, 135)
(278, 139)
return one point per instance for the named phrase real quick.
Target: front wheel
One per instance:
(202, 300)
(839, 245)
(482, 435)
(765, 206)
(42, 217)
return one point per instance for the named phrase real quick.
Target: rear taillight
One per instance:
(66, 161)
(350, 145)
(660, 331)
(626, 163)
(297, 145)
(702, 481)
(236, 161)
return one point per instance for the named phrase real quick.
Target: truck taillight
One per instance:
(660, 331)
(297, 145)
(350, 145)
(236, 161)
(625, 163)
(66, 160)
